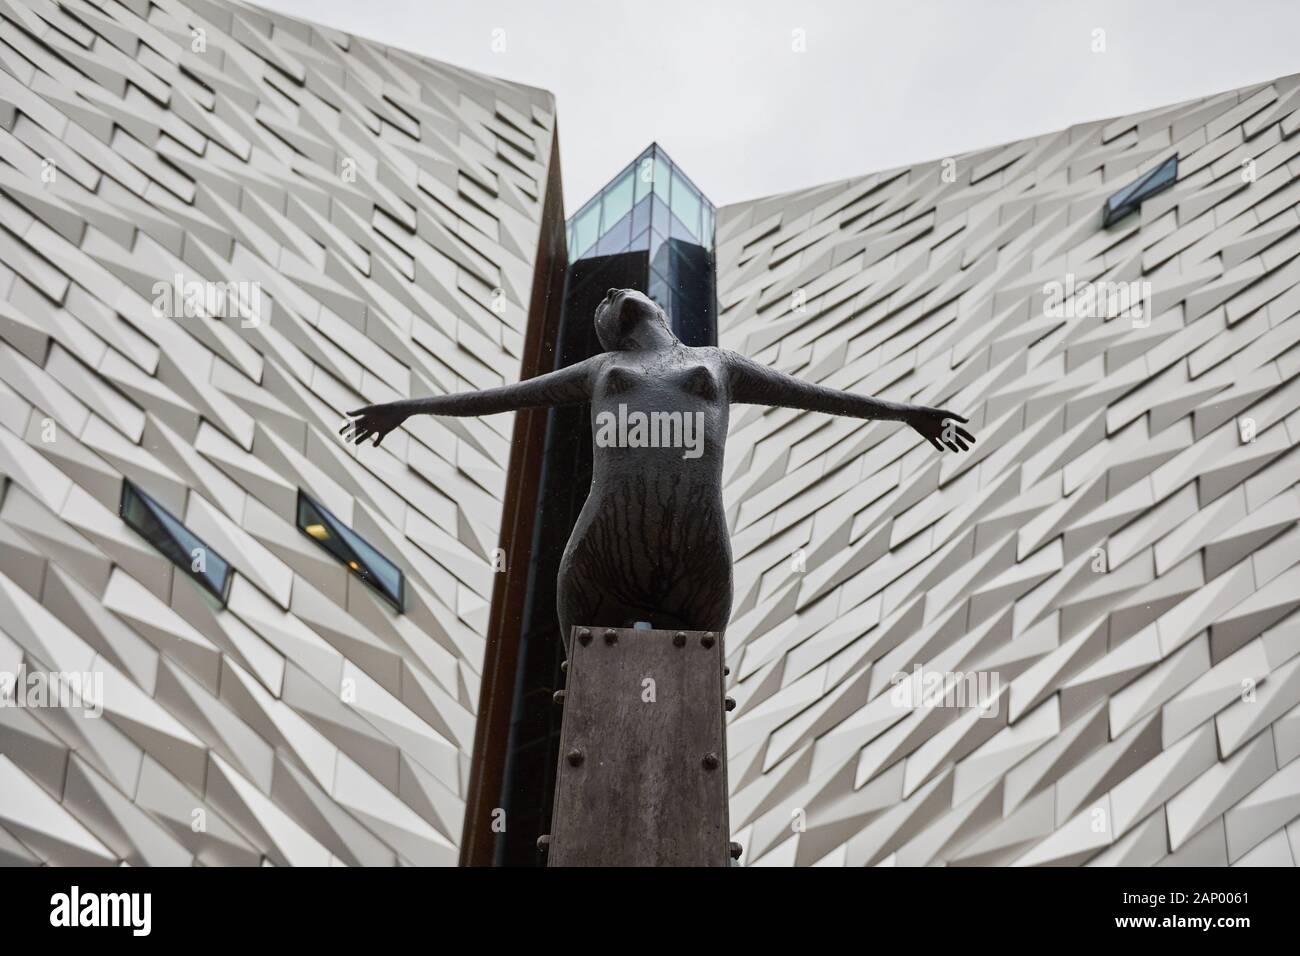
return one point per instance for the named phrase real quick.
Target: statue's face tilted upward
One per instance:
(622, 314)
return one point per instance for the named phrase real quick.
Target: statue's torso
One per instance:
(653, 531)
(664, 414)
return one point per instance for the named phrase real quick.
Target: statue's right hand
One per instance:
(377, 420)
(939, 427)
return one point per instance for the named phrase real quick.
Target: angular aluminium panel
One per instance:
(375, 216)
(1118, 559)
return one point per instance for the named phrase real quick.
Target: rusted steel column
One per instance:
(642, 777)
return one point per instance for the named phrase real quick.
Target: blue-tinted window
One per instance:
(655, 194)
(644, 170)
(586, 229)
(618, 201)
(686, 205)
(660, 216)
(178, 543)
(651, 206)
(641, 217)
(616, 237)
(320, 524)
(663, 171)
(659, 253)
(1131, 196)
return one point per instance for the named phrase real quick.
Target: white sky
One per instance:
(880, 84)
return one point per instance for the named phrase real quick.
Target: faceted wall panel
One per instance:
(375, 217)
(1117, 561)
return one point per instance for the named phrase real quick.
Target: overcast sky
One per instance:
(724, 89)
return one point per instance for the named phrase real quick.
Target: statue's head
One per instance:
(627, 319)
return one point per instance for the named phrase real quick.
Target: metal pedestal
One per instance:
(642, 778)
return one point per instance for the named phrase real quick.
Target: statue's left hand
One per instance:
(939, 427)
(376, 420)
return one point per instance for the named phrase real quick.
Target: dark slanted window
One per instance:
(1144, 187)
(178, 543)
(362, 559)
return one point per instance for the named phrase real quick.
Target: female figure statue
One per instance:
(651, 543)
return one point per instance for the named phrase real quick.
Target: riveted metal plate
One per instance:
(646, 714)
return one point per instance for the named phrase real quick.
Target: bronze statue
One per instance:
(651, 543)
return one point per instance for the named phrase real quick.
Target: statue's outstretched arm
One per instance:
(565, 386)
(753, 383)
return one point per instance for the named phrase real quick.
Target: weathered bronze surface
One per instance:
(651, 543)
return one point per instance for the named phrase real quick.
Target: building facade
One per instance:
(385, 212)
(221, 228)
(1116, 560)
